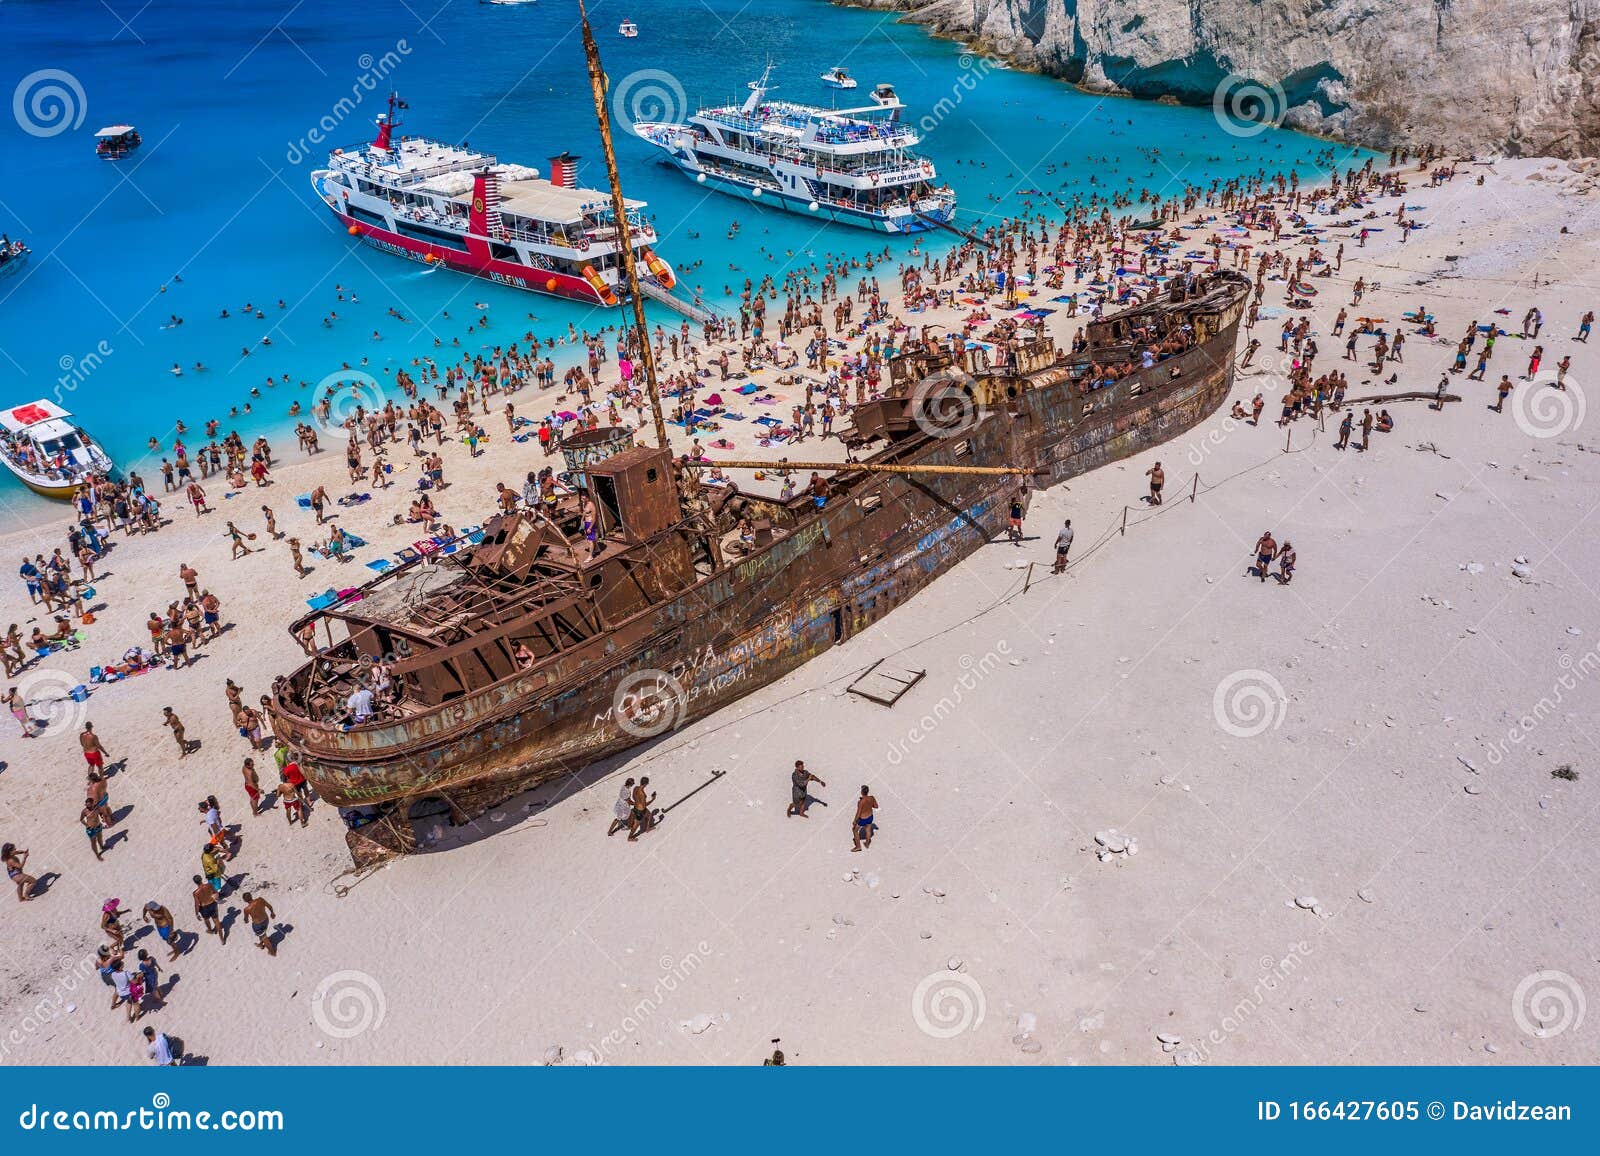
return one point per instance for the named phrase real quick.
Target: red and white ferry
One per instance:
(459, 208)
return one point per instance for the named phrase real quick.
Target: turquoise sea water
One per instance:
(231, 99)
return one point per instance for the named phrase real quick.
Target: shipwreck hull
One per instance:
(832, 574)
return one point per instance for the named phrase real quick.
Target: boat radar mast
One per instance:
(387, 123)
(597, 82)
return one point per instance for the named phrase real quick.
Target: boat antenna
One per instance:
(619, 210)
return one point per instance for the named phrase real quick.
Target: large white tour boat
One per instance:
(853, 165)
(453, 206)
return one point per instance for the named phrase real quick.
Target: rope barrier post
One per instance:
(1028, 580)
(1288, 438)
(1124, 525)
(1194, 489)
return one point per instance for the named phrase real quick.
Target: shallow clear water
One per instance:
(230, 96)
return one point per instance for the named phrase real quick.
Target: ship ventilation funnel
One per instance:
(564, 171)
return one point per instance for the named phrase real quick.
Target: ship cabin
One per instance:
(548, 590)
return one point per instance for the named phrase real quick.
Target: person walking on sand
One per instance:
(1266, 551)
(865, 824)
(259, 912)
(205, 909)
(159, 1049)
(93, 826)
(1016, 519)
(1158, 478)
(19, 711)
(1533, 363)
(1063, 547)
(166, 928)
(1346, 427)
(1286, 560)
(799, 780)
(294, 554)
(622, 809)
(1366, 429)
(1502, 391)
(640, 819)
(175, 724)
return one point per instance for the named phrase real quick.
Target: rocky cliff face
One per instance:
(1517, 76)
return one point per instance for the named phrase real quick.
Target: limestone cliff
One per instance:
(1514, 76)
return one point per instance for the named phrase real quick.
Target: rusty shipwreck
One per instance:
(643, 599)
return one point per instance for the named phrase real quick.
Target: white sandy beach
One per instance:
(1122, 696)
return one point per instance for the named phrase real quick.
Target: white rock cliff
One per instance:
(1515, 76)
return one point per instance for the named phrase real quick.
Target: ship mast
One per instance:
(597, 82)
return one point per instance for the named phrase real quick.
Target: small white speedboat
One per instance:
(837, 77)
(628, 29)
(47, 452)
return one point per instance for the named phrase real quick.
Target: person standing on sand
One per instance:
(1584, 327)
(1063, 547)
(205, 909)
(1346, 427)
(272, 523)
(799, 780)
(166, 928)
(197, 498)
(94, 752)
(1366, 429)
(293, 808)
(16, 859)
(865, 824)
(175, 724)
(259, 912)
(1286, 562)
(294, 553)
(319, 499)
(1158, 478)
(252, 786)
